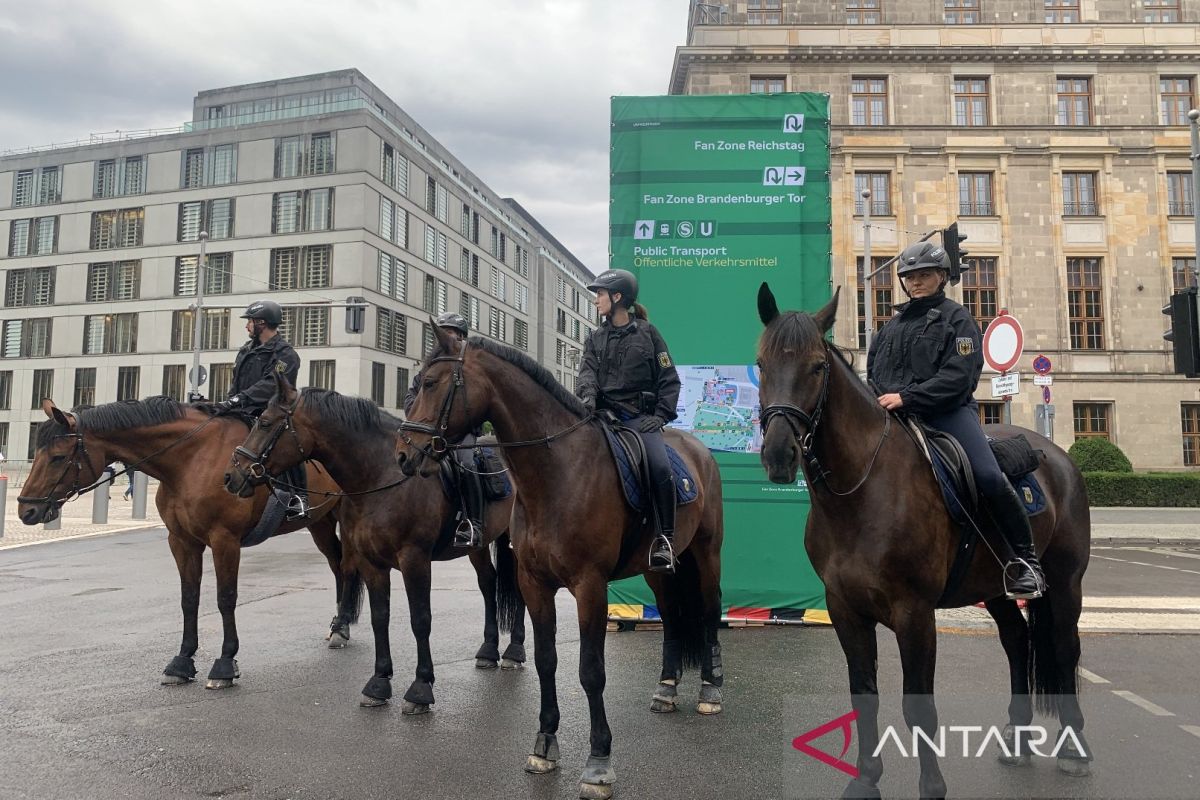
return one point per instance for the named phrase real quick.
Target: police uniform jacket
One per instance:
(619, 364)
(930, 354)
(254, 371)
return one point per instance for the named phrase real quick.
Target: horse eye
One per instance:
(818, 367)
(263, 423)
(56, 459)
(429, 383)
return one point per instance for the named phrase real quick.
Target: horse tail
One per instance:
(352, 596)
(1045, 672)
(510, 606)
(686, 610)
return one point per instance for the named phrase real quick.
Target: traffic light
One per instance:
(356, 314)
(952, 243)
(1184, 333)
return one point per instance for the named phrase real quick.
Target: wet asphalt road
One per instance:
(89, 625)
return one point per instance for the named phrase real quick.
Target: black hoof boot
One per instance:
(665, 697)
(223, 673)
(181, 670)
(339, 633)
(514, 656)
(1075, 757)
(377, 692)
(1014, 753)
(861, 790)
(418, 698)
(544, 757)
(662, 555)
(487, 657)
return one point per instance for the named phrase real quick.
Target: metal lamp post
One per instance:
(198, 320)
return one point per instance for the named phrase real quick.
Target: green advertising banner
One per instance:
(710, 196)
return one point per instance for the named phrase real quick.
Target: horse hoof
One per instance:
(710, 699)
(662, 705)
(595, 791)
(337, 640)
(861, 791)
(366, 701)
(507, 664)
(540, 766)
(174, 680)
(1075, 767)
(219, 683)
(484, 663)
(412, 709)
(1022, 760)
(709, 708)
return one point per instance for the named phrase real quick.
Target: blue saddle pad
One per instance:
(686, 490)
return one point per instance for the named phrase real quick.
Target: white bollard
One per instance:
(100, 503)
(141, 485)
(3, 499)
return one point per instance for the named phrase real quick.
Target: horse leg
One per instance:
(227, 556)
(712, 674)
(189, 559)
(856, 633)
(415, 566)
(488, 656)
(1014, 636)
(916, 634)
(1065, 602)
(510, 605)
(666, 693)
(514, 655)
(378, 690)
(591, 599)
(539, 599)
(324, 536)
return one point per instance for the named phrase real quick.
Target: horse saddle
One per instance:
(629, 454)
(493, 475)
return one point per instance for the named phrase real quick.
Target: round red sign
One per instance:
(1003, 342)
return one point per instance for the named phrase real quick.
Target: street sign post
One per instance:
(1003, 342)
(1006, 385)
(1042, 366)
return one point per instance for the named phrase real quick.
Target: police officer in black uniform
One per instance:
(469, 532)
(626, 369)
(258, 361)
(926, 361)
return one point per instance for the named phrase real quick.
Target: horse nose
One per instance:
(229, 481)
(29, 516)
(406, 464)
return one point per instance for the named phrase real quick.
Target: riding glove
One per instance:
(589, 403)
(228, 405)
(650, 424)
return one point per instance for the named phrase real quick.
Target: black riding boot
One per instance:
(469, 532)
(1023, 576)
(662, 552)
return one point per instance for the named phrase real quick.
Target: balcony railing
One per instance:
(1180, 208)
(879, 208)
(980, 209)
(1080, 210)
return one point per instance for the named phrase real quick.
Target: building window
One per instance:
(1062, 11)
(322, 373)
(220, 380)
(308, 210)
(880, 184)
(114, 280)
(469, 267)
(1079, 194)
(767, 84)
(4, 438)
(393, 222)
(306, 326)
(33, 237)
(436, 297)
(1093, 420)
(961, 12)
(764, 12)
(1161, 11)
(1175, 99)
(864, 12)
(1179, 194)
(27, 338)
(971, 102)
(174, 381)
(1183, 273)
(393, 169)
(427, 340)
(521, 334)
(43, 386)
(5, 390)
(85, 387)
(560, 320)
(33, 286)
(881, 289)
(520, 297)
(214, 334)
(868, 101)
(436, 248)
(975, 194)
(120, 176)
(300, 267)
(127, 383)
(310, 154)
(393, 277)
(497, 324)
(1085, 307)
(110, 333)
(401, 385)
(1074, 101)
(391, 331)
(991, 412)
(1190, 422)
(469, 308)
(377, 379)
(213, 216)
(980, 289)
(113, 229)
(217, 274)
(37, 186)
(209, 166)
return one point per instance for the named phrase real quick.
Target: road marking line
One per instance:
(1142, 702)
(1164, 551)
(1091, 676)
(1144, 564)
(1144, 603)
(1194, 730)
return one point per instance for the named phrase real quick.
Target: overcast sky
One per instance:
(517, 89)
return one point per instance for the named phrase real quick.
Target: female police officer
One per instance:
(926, 361)
(627, 370)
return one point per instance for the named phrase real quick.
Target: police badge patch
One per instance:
(664, 360)
(280, 367)
(966, 345)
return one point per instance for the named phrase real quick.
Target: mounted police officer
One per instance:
(258, 361)
(627, 370)
(469, 532)
(926, 361)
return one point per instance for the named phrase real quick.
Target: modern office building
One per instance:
(1054, 131)
(312, 190)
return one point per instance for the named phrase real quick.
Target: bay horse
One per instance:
(185, 447)
(880, 538)
(572, 528)
(388, 522)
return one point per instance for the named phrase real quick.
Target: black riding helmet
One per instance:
(454, 320)
(268, 311)
(923, 255)
(617, 280)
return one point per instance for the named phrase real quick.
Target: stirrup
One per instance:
(1012, 591)
(467, 534)
(662, 555)
(296, 507)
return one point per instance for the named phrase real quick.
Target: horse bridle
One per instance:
(438, 446)
(74, 460)
(257, 467)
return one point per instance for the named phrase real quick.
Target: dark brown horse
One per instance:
(404, 526)
(880, 538)
(572, 528)
(186, 449)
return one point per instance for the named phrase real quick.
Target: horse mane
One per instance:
(353, 413)
(794, 332)
(117, 416)
(540, 375)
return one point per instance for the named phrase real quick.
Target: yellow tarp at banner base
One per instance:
(815, 616)
(625, 611)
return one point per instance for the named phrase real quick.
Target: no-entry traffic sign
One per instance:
(1003, 342)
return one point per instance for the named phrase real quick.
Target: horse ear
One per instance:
(826, 316)
(283, 387)
(55, 413)
(768, 310)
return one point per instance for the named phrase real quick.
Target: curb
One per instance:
(76, 536)
(1144, 541)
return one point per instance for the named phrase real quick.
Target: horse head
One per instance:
(61, 467)
(794, 366)
(267, 451)
(452, 400)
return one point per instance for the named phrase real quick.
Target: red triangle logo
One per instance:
(842, 723)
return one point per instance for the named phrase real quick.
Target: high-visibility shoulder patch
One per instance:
(664, 360)
(966, 345)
